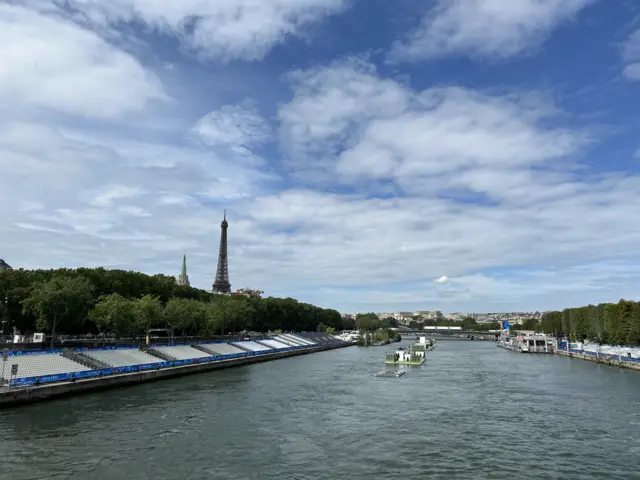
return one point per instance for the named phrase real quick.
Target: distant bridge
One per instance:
(450, 334)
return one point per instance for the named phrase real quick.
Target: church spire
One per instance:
(183, 279)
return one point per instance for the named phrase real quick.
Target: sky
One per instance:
(372, 155)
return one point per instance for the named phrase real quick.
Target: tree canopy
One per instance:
(616, 323)
(83, 300)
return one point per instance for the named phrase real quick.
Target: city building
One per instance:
(247, 292)
(4, 265)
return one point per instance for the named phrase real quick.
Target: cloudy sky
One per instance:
(461, 155)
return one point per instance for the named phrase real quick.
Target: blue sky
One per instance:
(470, 155)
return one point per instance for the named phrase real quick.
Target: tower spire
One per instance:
(221, 283)
(183, 279)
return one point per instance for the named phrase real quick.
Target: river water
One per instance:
(471, 411)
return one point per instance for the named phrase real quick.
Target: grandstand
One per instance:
(274, 343)
(182, 352)
(220, 348)
(36, 365)
(121, 357)
(252, 346)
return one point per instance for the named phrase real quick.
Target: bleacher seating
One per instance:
(253, 346)
(52, 366)
(182, 352)
(288, 341)
(293, 340)
(322, 338)
(221, 348)
(272, 342)
(42, 364)
(122, 357)
(297, 338)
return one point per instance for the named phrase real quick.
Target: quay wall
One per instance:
(632, 363)
(22, 395)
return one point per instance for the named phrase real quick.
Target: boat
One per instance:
(404, 357)
(415, 355)
(388, 373)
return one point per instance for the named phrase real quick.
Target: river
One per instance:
(471, 411)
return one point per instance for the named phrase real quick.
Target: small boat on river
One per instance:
(415, 355)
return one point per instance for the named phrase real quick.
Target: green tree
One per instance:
(262, 314)
(185, 315)
(227, 312)
(389, 322)
(368, 322)
(112, 313)
(149, 312)
(59, 301)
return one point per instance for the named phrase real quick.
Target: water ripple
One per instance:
(472, 411)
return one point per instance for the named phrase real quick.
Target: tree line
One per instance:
(613, 323)
(125, 303)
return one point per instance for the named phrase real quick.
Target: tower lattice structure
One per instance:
(221, 283)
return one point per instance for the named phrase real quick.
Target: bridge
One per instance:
(450, 334)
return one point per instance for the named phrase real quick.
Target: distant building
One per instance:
(4, 265)
(247, 292)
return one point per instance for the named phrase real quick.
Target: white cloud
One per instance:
(485, 28)
(143, 218)
(538, 289)
(54, 64)
(445, 179)
(440, 146)
(108, 195)
(237, 127)
(631, 56)
(346, 121)
(225, 29)
(328, 103)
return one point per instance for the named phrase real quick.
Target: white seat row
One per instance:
(221, 348)
(292, 340)
(288, 342)
(40, 364)
(122, 357)
(182, 352)
(274, 343)
(253, 346)
(298, 338)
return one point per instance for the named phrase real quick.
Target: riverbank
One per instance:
(606, 360)
(16, 396)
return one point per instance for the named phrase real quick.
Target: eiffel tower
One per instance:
(221, 283)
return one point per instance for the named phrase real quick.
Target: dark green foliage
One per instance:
(615, 323)
(129, 303)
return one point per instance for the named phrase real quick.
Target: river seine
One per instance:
(471, 411)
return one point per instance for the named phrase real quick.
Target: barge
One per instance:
(415, 355)
(527, 343)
